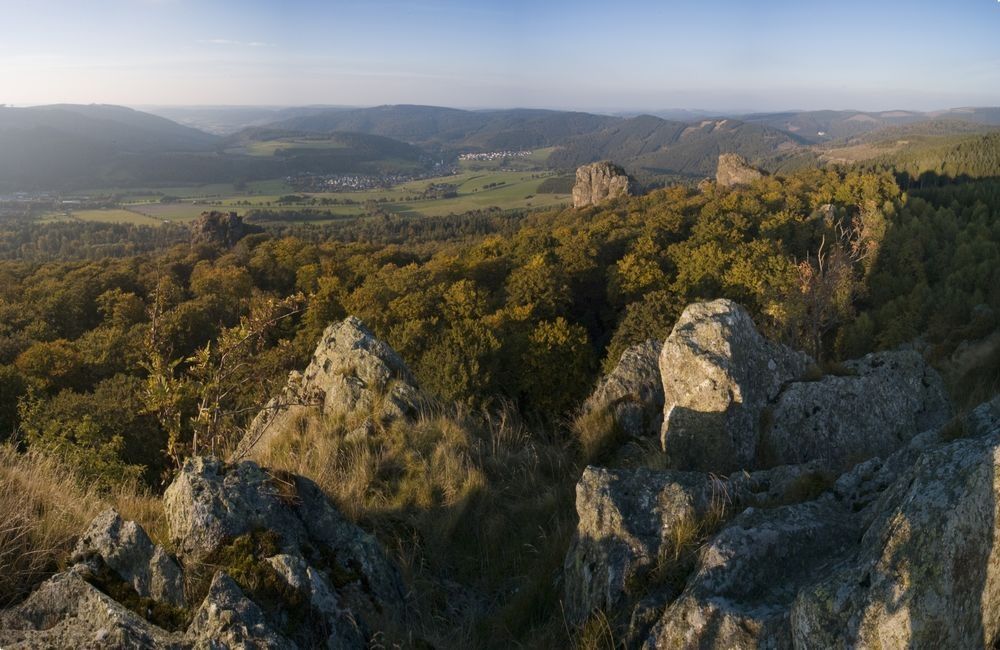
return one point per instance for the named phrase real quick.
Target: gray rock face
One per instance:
(629, 520)
(741, 593)
(128, 551)
(633, 391)
(68, 612)
(210, 503)
(896, 553)
(339, 626)
(888, 398)
(719, 374)
(927, 571)
(599, 182)
(734, 170)
(228, 619)
(352, 373)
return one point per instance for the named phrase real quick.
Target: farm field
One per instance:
(474, 190)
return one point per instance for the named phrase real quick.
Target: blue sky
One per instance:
(598, 55)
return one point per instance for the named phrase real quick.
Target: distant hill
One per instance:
(73, 147)
(452, 128)
(652, 148)
(65, 145)
(823, 126)
(226, 120)
(122, 129)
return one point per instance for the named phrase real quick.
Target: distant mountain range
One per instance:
(77, 146)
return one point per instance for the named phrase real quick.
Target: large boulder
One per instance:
(719, 375)
(875, 406)
(599, 182)
(733, 169)
(633, 392)
(352, 374)
(126, 549)
(211, 505)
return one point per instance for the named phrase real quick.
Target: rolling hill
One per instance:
(652, 148)
(454, 129)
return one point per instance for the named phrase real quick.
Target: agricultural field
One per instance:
(474, 190)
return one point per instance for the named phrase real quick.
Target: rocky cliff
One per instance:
(733, 170)
(870, 524)
(599, 182)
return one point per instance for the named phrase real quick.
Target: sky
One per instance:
(607, 55)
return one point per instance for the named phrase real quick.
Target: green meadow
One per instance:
(475, 190)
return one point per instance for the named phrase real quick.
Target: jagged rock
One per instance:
(68, 612)
(883, 401)
(351, 373)
(719, 374)
(747, 577)
(733, 170)
(126, 548)
(899, 553)
(210, 503)
(927, 571)
(335, 621)
(228, 619)
(599, 182)
(220, 228)
(629, 518)
(633, 391)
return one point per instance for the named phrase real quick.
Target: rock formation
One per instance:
(719, 374)
(352, 374)
(599, 182)
(877, 403)
(897, 552)
(633, 391)
(265, 559)
(734, 400)
(734, 170)
(220, 228)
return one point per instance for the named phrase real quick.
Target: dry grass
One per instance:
(597, 433)
(42, 510)
(460, 498)
(44, 507)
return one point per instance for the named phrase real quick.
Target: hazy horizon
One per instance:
(634, 56)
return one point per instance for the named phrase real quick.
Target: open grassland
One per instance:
(116, 215)
(475, 190)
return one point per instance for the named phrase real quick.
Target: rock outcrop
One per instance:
(877, 404)
(633, 392)
(127, 550)
(734, 400)
(719, 374)
(898, 552)
(734, 170)
(352, 374)
(629, 520)
(265, 559)
(599, 182)
(220, 228)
